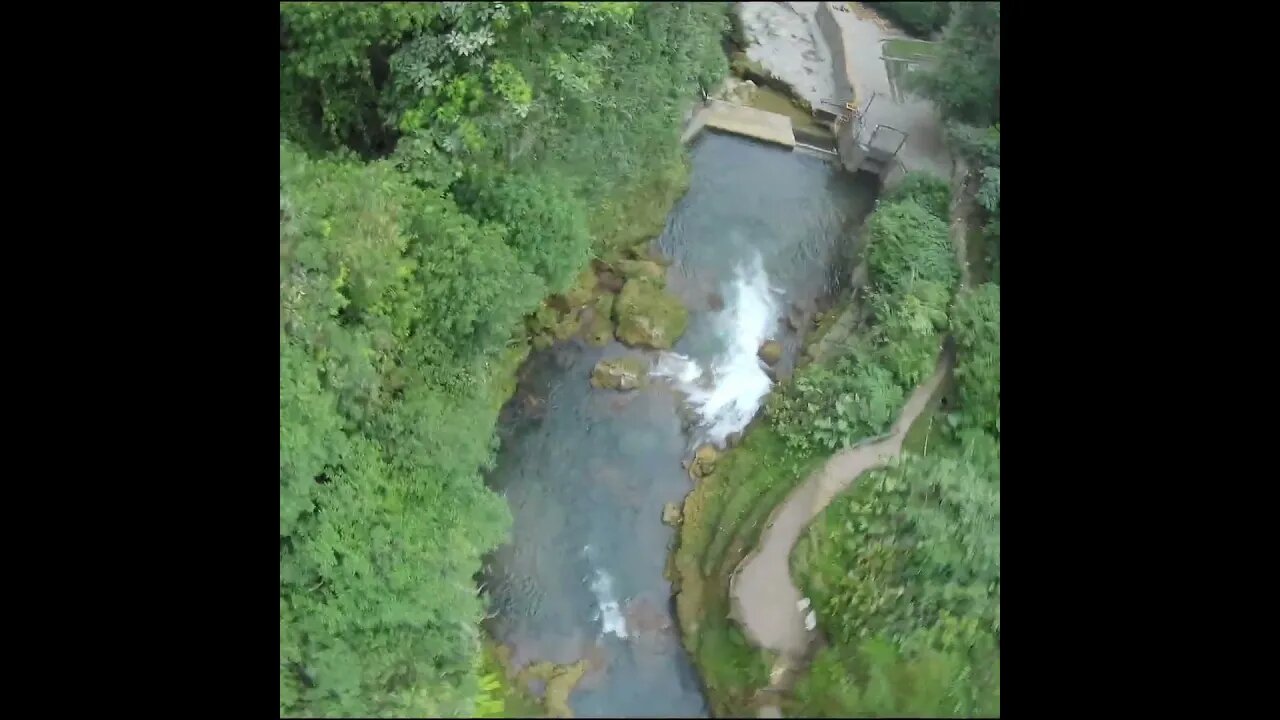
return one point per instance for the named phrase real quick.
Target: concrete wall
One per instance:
(831, 33)
(851, 153)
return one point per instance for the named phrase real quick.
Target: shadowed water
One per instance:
(587, 472)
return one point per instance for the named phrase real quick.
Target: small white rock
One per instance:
(810, 621)
(803, 604)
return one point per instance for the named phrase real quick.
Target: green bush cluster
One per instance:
(913, 274)
(904, 574)
(928, 191)
(976, 324)
(921, 19)
(904, 569)
(829, 408)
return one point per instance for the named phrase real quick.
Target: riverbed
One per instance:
(753, 247)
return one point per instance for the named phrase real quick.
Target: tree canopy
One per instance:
(442, 167)
(965, 81)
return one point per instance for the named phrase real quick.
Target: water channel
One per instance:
(587, 472)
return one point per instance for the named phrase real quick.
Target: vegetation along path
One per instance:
(764, 599)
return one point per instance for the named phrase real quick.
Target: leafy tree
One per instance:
(913, 547)
(907, 243)
(876, 679)
(921, 19)
(546, 225)
(909, 328)
(982, 146)
(928, 191)
(965, 82)
(334, 59)
(904, 573)
(504, 130)
(384, 516)
(831, 408)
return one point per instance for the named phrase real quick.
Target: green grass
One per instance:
(908, 49)
(723, 519)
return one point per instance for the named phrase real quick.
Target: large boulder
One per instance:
(704, 461)
(648, 316)
(627, 373)
(771, 352)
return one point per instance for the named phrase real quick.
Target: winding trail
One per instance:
(764, 599)
(762, 595)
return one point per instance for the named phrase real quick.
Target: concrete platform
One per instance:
(746, 121)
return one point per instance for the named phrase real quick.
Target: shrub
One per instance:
(910, 553)
(928, 191)
(908, 243)
(976, 324)
(829, 408)
(910, 327)
(921, 19)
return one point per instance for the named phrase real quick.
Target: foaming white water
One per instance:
(612, 621)
(728, 394)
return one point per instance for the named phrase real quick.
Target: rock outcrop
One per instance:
(648, 316)
(770, 352)
(704, 461)
(598, 328)
(627, 373)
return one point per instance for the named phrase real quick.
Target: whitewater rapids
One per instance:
(729, 392)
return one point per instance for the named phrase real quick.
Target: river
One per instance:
(587, 472)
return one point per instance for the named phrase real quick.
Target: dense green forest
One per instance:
(444, 167)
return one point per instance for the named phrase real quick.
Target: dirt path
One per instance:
(763, 598)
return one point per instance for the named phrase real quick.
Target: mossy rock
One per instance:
(598, 329)
(568, 326)
(626, 373)
(583, 289)
(563, 679)
(641, 269)
(542, 320)
(648, 316)
(770, 352)
(704, 461)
